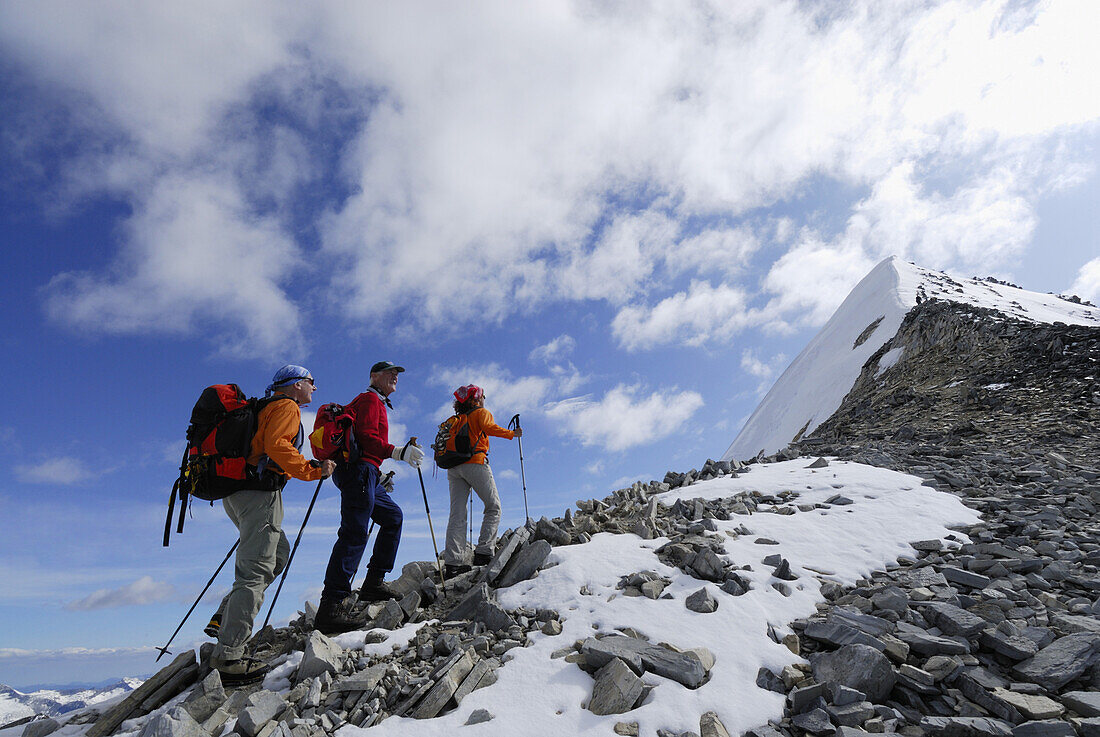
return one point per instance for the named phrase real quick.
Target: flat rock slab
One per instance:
(41, 727)
(364, 680)
(927, 644)
(525, 564)
(617, 689)
(438, 696)
(1061, 661)
(1085, 703)
(468, 606)
(953, 620)
(206, 697)
(1032, 706)
(1044, 728)
(685, 668)
(965, 727)
(861, 667)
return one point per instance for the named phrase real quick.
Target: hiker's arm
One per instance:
(489, 427)
(282, 428)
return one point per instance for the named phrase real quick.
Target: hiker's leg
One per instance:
(455, 547)
(387, 515)
(258, 516)
(481, 478)
(357, 485)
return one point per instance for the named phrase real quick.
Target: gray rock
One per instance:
(711, 726)
(819, 463)
(551, 533)
(927, 644)
(493, 616)
(1085, 703)
(41, 727)
(321, 655)
(952, 620)
(708, 566)
(525, 563)
(478, 716)
(206, 697)
(261, 707)
(504, 555)
(1011, 646)
(685, 668)
(850, 715)
(965, 578)
(448, 682)
(856, 666)
(965, 727)
(1044, 728)
(800, 699)
(815, 721)
(390, 616)
(1031, 706)
(833, 632)
(702, 601)
(617, 689)
(1061, 661)
(469, 604)
(1073, 623)
(598, 653)
(175, 722)
(1089, 727)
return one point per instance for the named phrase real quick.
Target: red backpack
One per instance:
(333, 437)
(219, 441)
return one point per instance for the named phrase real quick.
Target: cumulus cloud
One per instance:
(693, 317)
(557, 349)
(143, 591)
(61, 471)
(1087, 284)
(574, 152)
(625, 418)
(503, 391)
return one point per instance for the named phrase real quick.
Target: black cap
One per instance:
(385, 366)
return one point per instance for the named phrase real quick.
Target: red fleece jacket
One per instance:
(372, 427)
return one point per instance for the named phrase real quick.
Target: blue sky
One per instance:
(622, 221)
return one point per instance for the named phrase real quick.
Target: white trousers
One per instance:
(460, 480)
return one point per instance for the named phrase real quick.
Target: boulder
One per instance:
(861, 667)
(617, 689)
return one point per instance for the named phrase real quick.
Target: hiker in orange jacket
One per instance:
(258, 515)
(473, 474)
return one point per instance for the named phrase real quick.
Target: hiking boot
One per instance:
(375, 589)
(482, 559)
(337, 617)
(456, 569)
(240, 671)
(214, 626)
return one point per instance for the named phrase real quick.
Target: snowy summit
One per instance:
(815, 383)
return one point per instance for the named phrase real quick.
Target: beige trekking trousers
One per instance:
(261, 557)
(460, 479)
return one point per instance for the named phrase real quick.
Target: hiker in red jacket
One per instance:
(473, 474)
(362, 499)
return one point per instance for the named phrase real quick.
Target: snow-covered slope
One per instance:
(815, 383)
(16, 705)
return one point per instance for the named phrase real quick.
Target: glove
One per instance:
(409, 453)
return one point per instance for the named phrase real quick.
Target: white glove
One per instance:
(409, 453)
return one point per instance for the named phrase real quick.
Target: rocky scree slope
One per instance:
(1000, 635)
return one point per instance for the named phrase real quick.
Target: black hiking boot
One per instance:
(375, 589)
(456, 569)
(482, 559)
(239, 672)
(336, 617)
(214, 626)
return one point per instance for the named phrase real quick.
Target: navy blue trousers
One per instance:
(362, 499)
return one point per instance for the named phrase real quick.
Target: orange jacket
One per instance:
(481, 427)
(276, 430)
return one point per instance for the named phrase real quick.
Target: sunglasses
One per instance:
(311, 381)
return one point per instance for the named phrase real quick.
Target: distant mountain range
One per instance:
(15, 705)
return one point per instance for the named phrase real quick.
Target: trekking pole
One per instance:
(513, 424)
(289, 560)
(164, 650)
(470, 516)
(435, 547)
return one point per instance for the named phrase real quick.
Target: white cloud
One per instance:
(62, 471)
(143, 591)
(1087, 284)
(560, 149)
(556, 350)
(765, 371)
(194, 257)
(693, 317)
(504, 393)
(624, 419)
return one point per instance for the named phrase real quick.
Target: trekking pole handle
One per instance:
(514, 422)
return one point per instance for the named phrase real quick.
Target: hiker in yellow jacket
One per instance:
(474, 474)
